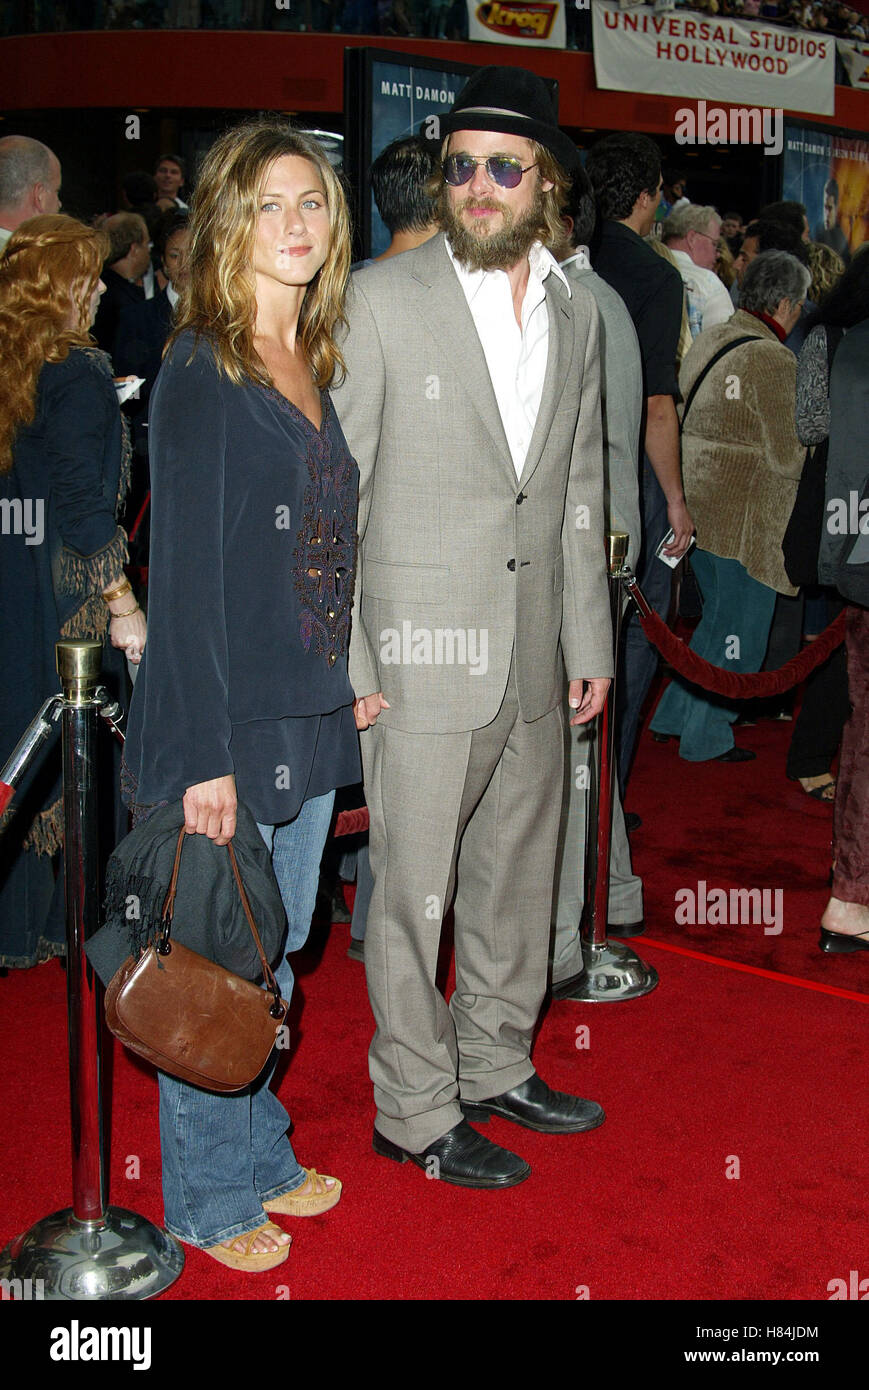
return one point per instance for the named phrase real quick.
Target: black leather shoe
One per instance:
(837, 943)
(564, 989)
(736, 755)
(535, 1106)
(626, 929)
(462, 1157)
(572, 989)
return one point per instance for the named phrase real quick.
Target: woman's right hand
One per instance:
(130, 633)
(209, 809)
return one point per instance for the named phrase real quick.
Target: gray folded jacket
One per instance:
(208, 915)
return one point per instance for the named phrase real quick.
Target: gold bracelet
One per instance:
(128, 613)
(122, 589)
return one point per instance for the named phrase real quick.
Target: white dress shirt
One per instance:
(579, 259)
(706, 293)
(515, 356)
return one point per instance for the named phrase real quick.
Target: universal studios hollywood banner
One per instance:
(529, 23)
(689, 54)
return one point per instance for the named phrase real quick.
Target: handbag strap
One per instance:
(169, 900)
(267, 970)
(728, 347)
(169, 908)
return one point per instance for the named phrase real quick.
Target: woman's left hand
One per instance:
(130, 633)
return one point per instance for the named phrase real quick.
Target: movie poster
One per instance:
(401, 99)
(829, 175)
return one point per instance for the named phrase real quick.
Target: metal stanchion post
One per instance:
(35, 735)
(612, 970)
(88, 1251)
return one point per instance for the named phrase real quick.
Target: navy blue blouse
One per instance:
(253, 553)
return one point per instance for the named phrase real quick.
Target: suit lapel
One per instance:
(557, 362)
(444, 312)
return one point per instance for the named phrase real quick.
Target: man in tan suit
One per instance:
(471, 404)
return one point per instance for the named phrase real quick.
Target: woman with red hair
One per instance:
(64, 470)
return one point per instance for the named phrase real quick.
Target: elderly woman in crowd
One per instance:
(741, 461)
(64, 470)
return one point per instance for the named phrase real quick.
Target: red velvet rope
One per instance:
(351, 822)
(137, 523)
(728, 683)
(737, 685)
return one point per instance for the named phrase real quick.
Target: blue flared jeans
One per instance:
(225, 1155)
(733, 634)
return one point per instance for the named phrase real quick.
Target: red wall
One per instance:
(294, 72)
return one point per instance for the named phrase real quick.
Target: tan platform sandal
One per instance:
(254, 1261)
(318, 1199)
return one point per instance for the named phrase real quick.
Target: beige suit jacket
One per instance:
(460, 563)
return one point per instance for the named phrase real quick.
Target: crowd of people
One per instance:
(378, 504)
(439, 19)
(824, 16)
(442, 19)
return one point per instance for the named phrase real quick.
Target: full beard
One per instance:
(492, 250)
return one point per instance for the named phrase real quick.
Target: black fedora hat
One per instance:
(509, 100)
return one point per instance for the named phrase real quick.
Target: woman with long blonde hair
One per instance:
(243, 695)
(64, 469)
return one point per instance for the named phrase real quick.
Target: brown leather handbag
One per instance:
(189, 1016)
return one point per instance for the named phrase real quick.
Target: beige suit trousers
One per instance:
(476, 812)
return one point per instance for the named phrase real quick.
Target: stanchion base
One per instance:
(613, 972)
(123, 1257)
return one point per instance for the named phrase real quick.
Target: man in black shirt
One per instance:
(128, 259)
(625, 171)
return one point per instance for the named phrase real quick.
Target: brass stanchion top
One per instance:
(78, 662)
(617, 550)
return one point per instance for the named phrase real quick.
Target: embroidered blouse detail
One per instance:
(324, 560)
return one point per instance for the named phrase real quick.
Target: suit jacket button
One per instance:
(520, 499)
(511, 565)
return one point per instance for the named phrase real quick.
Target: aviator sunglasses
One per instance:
(503, 170)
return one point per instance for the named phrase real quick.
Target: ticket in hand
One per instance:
(127, 387)
(672, 560)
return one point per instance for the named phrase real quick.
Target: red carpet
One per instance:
(737, 826)
(715, 1065)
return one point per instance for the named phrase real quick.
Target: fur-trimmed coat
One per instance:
(741, 458)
